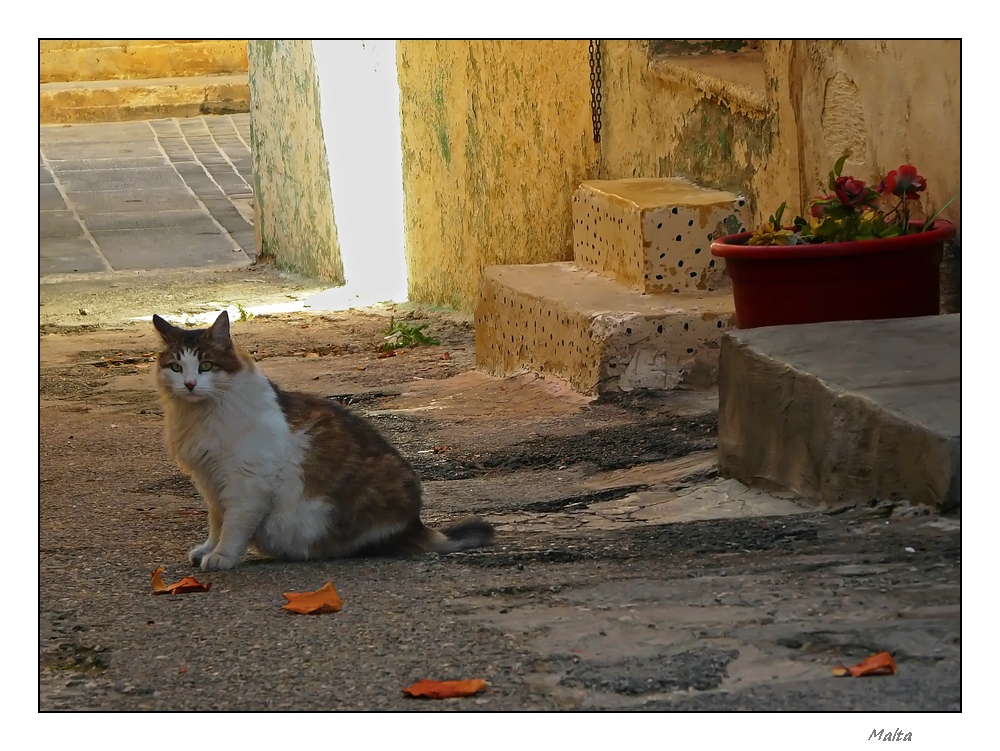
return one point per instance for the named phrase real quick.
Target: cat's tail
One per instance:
(474, 532)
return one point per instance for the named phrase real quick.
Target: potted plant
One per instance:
(860, 255)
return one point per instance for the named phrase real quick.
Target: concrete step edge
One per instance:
(58, 87)
(116, 101)
(596, 333)
(848, 412)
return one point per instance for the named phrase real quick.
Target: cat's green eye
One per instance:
(176, 367)
(204, 367)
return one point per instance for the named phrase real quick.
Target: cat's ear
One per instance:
(220, 330)
(167, 332)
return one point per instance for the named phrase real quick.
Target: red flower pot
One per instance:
(895, 277)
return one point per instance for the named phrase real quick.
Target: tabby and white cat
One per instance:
(292, 474)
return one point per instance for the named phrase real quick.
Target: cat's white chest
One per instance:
(245, 435)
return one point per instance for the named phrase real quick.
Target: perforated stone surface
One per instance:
(598, 334)
(654, 234)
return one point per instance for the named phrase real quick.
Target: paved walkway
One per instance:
(158, 194)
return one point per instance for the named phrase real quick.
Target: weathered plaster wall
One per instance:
(291, 173)
(496, 137)
(110, 59)
(887, 102)
(655, 126)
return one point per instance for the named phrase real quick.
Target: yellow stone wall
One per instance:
(496, 137)
(291, 174)
(887, 102)
(114, 59)
(658, 127)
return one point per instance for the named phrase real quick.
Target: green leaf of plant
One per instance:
(839, 166)
(930, 222)
(828, 228)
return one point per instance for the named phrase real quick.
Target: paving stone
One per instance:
(71, 264)
(120, 179)
(168, 247)
(247, 241)
(211, 158)
(106, 202)
(68, 255)
(95, 133)
(138, 187)
(58, 224)
(74, 151)
(74, 165)
(49, 198)
(196, 221)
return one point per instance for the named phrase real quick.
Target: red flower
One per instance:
(851, 192)
(903, 182)
(819, 204)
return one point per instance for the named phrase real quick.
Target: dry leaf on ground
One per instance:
(187, 584)
(323, 600)
(426, 689)
(878, 664)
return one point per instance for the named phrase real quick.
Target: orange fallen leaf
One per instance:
(157, 581)
(878, 664)
(323, 600)
(444, 689)
(312, 354)
(187, 584)
(390, 353)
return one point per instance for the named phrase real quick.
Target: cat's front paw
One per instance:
(195, 555)
(218, 562)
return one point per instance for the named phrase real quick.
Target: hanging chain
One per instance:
(595, 87)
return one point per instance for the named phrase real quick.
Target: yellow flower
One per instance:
(767, 235)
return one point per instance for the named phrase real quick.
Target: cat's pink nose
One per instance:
(190, 385)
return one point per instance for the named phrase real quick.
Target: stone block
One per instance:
(654, 235)
(845, 412)
(594, 332)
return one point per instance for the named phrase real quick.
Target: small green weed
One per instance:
(245, 315)
(401, 334)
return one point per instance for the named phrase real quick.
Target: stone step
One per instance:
(62, 60)
(596, 333)
(847, 412)
(654, 234)
(144, 99)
